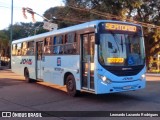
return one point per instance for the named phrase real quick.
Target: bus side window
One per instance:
(30, 49)
(24, 48)
(47, 45)
(65, 42)
(57, 45)
(70, 46)
(18, 49)
(14, 47)
(54, 47)
(61, 44)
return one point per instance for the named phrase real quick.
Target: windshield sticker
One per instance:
(130, 60)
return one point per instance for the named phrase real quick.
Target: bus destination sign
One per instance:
(115, 60)
(120, 27)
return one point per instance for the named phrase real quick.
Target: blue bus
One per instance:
(102, 56)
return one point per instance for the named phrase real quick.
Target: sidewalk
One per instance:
(153, 74)
(4, 67)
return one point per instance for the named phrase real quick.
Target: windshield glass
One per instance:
(120, 49)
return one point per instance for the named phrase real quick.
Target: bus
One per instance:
(101, 56)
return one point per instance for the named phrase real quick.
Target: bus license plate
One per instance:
(127, 87)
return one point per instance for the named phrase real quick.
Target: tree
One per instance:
(60, 16)
(20, 30)
(147, 11)
(4, 49)
(4, 40)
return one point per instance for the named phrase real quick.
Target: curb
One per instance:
(153, 74)
(4, 67)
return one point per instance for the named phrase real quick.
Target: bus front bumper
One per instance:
(119, 86)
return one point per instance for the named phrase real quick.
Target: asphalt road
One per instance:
(17, 95)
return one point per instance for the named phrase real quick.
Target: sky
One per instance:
(38, 6)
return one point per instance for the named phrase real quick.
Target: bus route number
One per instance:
(115, 60)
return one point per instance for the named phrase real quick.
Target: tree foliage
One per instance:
(147, 11)
(3, 43)
(20, 30)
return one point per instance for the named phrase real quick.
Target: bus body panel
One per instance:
(118, 83)
(74, 28)
(19, 63)
(92, 24)
(119, 87)
(55, 68)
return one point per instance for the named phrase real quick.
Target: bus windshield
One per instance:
(121, 49)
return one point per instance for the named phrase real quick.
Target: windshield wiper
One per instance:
(121, 44)
(115, 39)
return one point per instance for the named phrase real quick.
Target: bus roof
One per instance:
(82, 26)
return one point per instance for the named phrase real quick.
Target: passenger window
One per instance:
(58, 45)
(14, 47)
(70, 46)
(30, 49)
(47, 45)
(24, 48)
(18, 49)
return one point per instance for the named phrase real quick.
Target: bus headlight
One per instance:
(143, 77)
(104, 79)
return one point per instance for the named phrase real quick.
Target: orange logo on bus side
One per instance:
(122, 27)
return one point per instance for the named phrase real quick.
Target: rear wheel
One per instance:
(71, 85)
(26, 75)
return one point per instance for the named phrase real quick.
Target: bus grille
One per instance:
(119, 72)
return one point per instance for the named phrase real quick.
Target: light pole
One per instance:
(11, 32)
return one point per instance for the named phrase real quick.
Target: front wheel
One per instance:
(71, 85)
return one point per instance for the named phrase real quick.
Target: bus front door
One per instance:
(39, 67)
(88, 43)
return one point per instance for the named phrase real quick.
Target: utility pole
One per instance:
(11, 33)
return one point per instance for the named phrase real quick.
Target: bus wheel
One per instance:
(71, 85)
(26, 75)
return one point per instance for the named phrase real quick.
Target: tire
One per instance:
(26, 75)
(71, 86)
